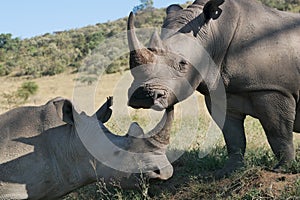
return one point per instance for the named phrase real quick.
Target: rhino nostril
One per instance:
(142, 93)
(147, 94)
(158, 94)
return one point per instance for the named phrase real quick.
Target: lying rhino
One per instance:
(43, 155)
(239, 50)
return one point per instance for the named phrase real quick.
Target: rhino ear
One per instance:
(211, 9)
(104, 112)
(64, 109)
(173, 8)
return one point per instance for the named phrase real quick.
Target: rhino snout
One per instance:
(162, 174)
(143, 97)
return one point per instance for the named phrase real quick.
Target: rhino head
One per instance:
(136, 152)
(176, 62)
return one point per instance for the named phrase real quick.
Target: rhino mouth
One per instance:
(149, 98)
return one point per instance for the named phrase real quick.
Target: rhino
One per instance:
(242, 53)
(43, 154)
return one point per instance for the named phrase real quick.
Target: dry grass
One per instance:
(62, 85)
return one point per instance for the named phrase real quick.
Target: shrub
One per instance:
(53, 70)
(27, 89)
(89, 80)
(20, 96)
(4, 70)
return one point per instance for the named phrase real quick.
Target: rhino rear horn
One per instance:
(135, 130)
(155, 41)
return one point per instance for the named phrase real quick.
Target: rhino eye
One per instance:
(182, 65)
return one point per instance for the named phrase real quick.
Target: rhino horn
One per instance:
(133, 41)
(135, 130)
(139, 55)
(160, 135)
(155, 41)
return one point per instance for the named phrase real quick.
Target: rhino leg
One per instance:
(276, 113)
(297, 120)
(234, 135)
(235, 139)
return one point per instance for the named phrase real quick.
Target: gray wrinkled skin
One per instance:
(256, 51)
(42, 156)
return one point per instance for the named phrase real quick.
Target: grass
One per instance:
(189, 182)
(192, 170)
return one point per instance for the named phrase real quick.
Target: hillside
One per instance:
(53, 53)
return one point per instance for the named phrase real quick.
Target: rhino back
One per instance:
(265, 50)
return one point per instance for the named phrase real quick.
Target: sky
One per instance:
(28, 18)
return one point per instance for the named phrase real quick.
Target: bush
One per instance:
(89, 80)
(16, 98)
(4, 70)
(53, 70)
(27, 89)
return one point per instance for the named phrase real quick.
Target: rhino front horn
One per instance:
(160, 135)
(139, 55)
(133, 41)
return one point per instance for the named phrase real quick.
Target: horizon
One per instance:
(27, 19)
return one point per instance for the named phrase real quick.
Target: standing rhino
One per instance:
(255, 51)
(43, 155)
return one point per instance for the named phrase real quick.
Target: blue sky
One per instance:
(28, 18)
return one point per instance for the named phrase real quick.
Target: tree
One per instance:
(27, 89)
(145, 4)
(9, 43)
